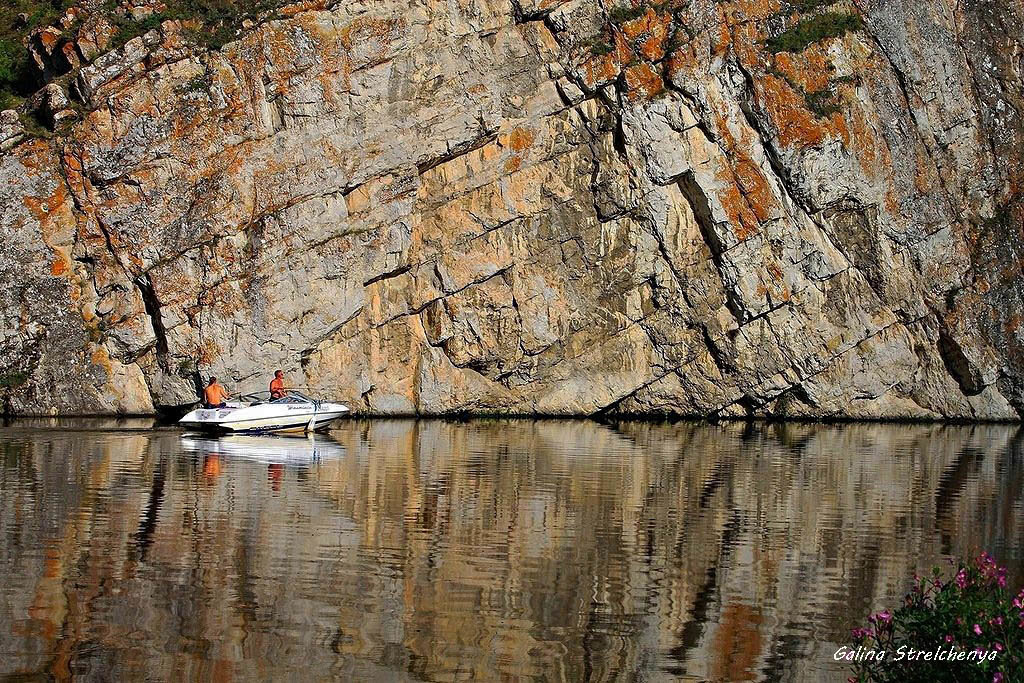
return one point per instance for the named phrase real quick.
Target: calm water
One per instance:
(484, 550)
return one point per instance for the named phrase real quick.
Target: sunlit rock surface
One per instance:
(452, 207)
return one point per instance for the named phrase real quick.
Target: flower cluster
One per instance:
(973, 613)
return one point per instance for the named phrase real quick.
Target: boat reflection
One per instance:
(276, 451)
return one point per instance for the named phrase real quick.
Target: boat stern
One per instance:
(206, 418)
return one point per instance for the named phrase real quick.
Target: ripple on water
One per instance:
(480, 550)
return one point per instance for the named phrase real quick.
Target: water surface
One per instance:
(487, 550)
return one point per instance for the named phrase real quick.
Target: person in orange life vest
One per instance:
(277, 385)
(215, 394)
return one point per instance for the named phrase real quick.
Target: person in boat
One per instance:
(215, 394)
(277, 385)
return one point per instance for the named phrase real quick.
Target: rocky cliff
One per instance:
(738, 207)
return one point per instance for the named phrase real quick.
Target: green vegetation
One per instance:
(600, 47)
(186, 368)
(128, 28)
(851, 79)
(212, 23)
(34, 127)
(197, 84)
(219, 21)
(621, 14)
(11, 380)
(813, 30)
(17, 19)
(679, 32)
(805, 6)
(972, 616)
(822, 103)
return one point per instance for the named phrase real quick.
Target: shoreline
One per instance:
(165, 421)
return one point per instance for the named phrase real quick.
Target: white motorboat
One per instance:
(258, 412)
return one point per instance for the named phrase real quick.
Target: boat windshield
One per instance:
(264, 397)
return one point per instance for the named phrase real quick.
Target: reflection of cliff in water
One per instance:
(560, 550)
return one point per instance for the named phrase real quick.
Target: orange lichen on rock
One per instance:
(809, 69)
(306, 6)
(797, 126)
(649, 33)
(49, 37)
(208, 352)
(743, 221)
(600, 69)
(519, 139)
(923, 172)
(720, 39)
(870, 149)
(756, 190)
(752, 11)
(101, 358)
(682, 61)
(746, 42)
(59, 266)
(364, 29)
(892, 207)
(53, 211)
(642, 81)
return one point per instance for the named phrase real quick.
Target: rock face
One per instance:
(482, 207)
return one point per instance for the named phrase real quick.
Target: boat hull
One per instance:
(264, 419)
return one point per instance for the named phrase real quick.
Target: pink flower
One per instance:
(949, 639)
(859, 633)
(885, 617)
(998, 647)
(977, 629)
(998, 678)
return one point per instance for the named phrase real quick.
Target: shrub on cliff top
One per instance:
(17, 19)
(810, 5)
(815, 29)
(219, 22)
(973, 614)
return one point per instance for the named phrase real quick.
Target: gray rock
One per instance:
(11, 130)
(490, 209)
